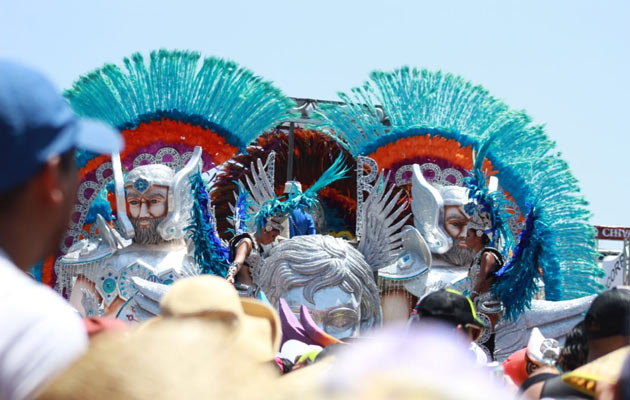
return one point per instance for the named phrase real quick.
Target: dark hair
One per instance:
(9, 198)
(575, 350)
(608, 315)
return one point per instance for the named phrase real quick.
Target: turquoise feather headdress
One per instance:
(434, 104)
(166, 105)
(179, 85)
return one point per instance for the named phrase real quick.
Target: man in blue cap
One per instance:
(40, 334)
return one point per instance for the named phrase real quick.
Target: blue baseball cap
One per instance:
(36, 123)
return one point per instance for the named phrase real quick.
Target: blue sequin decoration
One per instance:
(141, 185)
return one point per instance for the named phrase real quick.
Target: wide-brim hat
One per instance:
(606, 369)
(209, 303)
(166, 361)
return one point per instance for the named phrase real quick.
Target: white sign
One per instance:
(614, 266)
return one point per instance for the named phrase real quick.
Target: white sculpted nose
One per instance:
(144, 210)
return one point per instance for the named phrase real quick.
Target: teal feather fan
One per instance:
(178, 85)
(420, 103)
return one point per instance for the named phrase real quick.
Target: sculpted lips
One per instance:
(144, 223)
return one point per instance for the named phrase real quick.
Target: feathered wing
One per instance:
(443, 115)
(313, 153)
(260, 186)
(264, 202)
(240, 214)
(427, 206)
(381, 238)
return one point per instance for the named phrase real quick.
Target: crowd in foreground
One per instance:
(208, 342)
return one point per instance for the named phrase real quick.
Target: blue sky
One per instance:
(566, 62)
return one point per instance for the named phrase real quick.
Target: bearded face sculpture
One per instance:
(439, 215)
(454, 224)
(146, 195)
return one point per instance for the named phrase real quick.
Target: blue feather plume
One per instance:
(210, 254)
(240, 217)
(494, 203)
(100, 205)
(516, 282)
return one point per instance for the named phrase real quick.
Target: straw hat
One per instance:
(213, 302)
(208, 343)
(163, 364)
(603, 369)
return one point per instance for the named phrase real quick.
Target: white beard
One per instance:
(147, 235)
(457, 255)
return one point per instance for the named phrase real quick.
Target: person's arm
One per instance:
(243, 248)
(484, 281)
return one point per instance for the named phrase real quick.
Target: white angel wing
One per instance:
(381, 241)
(260, 185)
(427, 207)
(180, 200)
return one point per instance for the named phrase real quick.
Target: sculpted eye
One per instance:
(341, 319)
(133, 202)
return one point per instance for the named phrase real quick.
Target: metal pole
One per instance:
(290, 152)
(626, 264)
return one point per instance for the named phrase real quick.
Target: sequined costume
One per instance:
(487, 305)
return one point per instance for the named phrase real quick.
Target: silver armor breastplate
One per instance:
(111, 275)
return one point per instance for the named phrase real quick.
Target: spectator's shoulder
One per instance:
(41, 334)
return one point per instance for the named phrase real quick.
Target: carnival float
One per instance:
(394, 175)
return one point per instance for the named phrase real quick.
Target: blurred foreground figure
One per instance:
(40, 334)
(429, 363)
(207, 343)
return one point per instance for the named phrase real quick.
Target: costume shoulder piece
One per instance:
(436, 120)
